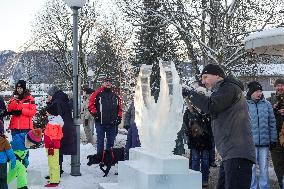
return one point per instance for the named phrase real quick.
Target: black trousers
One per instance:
(235, 174)
(277, 155)
(3, 176)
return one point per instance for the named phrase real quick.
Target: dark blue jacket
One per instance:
(68, 142)
(263, 122)
(3, 109)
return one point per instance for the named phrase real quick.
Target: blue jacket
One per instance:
(18, 141)
(263, 122)
(6, 152)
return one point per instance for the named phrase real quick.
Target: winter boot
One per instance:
(50, 185)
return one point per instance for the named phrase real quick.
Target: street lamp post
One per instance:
(90, 74)
(75, 5)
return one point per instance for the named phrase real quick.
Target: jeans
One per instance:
(102, 130)
(277, 155)
(203, 158)
(212, 155)
(17, 131)
(283, 181)
(262, 162)
(132, 139)
(235, 174)
(3, 176)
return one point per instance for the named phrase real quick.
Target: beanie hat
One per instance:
(213, 69)
(279, 81)
(22, 84)
(88, 90)
(252, 87)
(35, 136)
(52, 109)
(53, 90)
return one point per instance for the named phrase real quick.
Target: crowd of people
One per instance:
(243, 129)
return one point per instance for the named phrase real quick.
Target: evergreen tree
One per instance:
(107, 62)
(154, 43)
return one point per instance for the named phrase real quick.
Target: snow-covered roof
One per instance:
(270, 41)
(271, 69)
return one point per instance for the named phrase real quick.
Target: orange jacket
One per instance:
(28, 107)
(53, 132)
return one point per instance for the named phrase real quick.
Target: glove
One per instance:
(118, 121)
(126, 127)
(272, 145)
(50, 151)
(13, 164)
(97, 117)
(3, 113)
(186, 91)
(15, 112)
(26, 162)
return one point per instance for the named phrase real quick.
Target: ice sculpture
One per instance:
(153, 166)
(158, 123)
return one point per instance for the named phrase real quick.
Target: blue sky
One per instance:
(15, 19)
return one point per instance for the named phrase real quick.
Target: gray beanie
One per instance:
(53, 90)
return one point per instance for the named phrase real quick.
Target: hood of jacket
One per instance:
(233, 80)
(56, 120)
(4, 144)
(60, 95)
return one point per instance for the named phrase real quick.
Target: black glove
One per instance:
(15, 112)
(126, 127)
(118, 121)
(272, 145)
(97, 117)
(186, 92)
(3, 113)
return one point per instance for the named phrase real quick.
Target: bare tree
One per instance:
(52, 33)
(213, 30)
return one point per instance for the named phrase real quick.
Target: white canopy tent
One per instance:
(270, 42)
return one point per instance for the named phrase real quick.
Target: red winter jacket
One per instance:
(53, 132)
(105, 105)
(28, 107)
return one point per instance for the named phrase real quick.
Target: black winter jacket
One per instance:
(195, 120)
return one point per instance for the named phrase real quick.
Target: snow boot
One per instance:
(50, 185)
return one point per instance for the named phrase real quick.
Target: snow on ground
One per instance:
(91, 175)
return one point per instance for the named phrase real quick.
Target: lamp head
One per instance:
(75, 3)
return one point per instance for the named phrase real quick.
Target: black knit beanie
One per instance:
(22, 84)
(252, 87)
(213, 69)
(52, 109)
(88, 90)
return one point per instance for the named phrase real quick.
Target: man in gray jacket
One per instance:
(230, 125)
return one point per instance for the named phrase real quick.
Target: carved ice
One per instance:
(153, 165)
(158, 123)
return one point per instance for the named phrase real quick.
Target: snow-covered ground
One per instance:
(91, 175)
